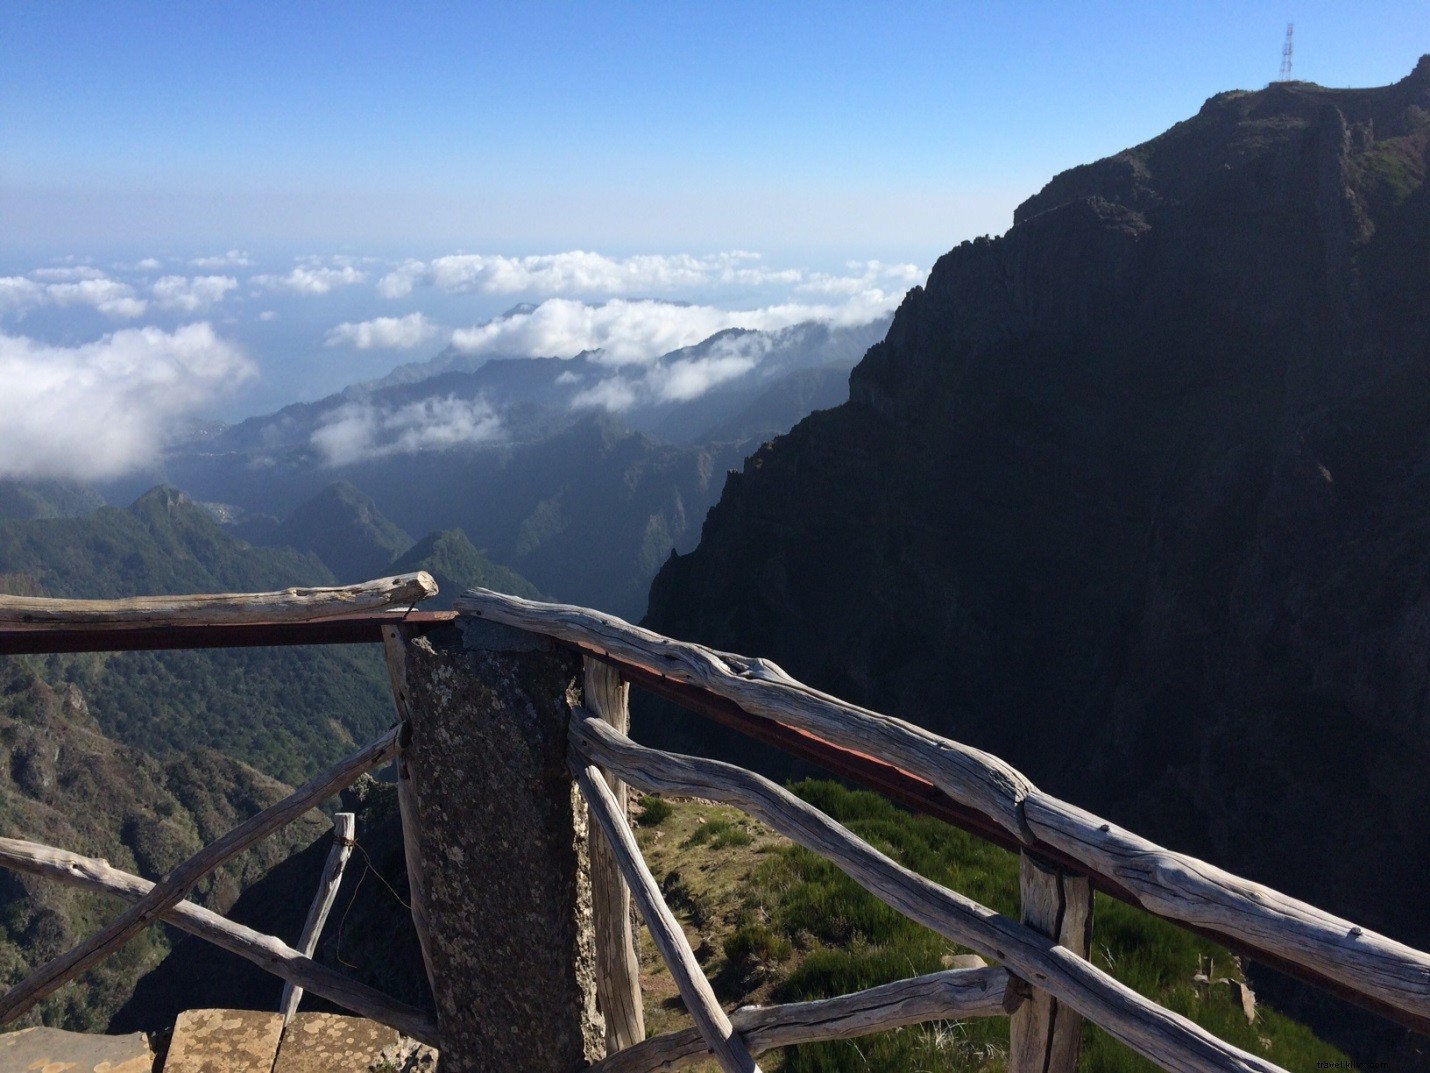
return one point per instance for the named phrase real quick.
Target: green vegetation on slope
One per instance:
(774, 922)
(68, 785)
(457, 566)
(287, 711)
(342, 526)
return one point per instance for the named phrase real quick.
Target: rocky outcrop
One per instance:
(1135, 496)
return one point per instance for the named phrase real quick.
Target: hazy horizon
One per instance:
(213, 212)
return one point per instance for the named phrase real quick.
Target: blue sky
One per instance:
(799, 128)
(238, 205)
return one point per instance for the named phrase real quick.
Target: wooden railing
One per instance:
(33, 619)
(1043, 980)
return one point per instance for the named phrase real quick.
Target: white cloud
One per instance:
(583, 273)
(231, 259)
(103, 408)
(71, 287)
(613, 394)
(109, 296)
(677, 381)
(149, 264)
(682, 381)
(267, 315)
(636, 332)
(400, 333)
(399, 282)
(18, 292)
(176, 292)
(360, 431)
(864, 276)
(313, 279)
(68, 274)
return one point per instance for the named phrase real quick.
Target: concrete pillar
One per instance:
(503, 850)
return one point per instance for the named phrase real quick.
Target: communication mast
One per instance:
(1286, 55)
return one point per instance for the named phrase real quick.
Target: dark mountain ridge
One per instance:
(1137, 496)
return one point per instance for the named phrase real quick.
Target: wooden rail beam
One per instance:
(950, 995)
(1045, 1035)
(408, 807)
(1158, 1034)
(618, 982)
(712, 1021)
(216, 609)
(1280, 930)
(177, 884)
(266, 951)
(344, 827)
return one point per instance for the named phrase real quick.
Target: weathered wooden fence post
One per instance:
(344, 828)
(618, 985)
(503, 854)
(1044, 1035)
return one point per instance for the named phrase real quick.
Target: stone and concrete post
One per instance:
(504, 874)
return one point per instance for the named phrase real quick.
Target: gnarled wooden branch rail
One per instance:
(219, 609)
(1168, 1039)
(265, 951)
(509, 680)
(177, 884)
(344, 828)
(956, 993)
(1173, 885)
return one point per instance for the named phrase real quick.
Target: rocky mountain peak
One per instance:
(1135, 496)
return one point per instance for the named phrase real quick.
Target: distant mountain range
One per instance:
(1137, 496)
(577, 474)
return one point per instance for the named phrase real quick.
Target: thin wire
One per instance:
(385, 883)
(342, 924)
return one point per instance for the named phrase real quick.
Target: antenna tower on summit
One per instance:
(1286, 55)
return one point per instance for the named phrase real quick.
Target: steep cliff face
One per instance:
(1138, 497)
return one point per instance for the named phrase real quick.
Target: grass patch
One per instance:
(780, 924)
(654, 811)
(720, 834)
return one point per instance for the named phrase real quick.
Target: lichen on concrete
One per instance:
(504, 856)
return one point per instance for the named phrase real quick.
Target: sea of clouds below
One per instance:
(103, 362)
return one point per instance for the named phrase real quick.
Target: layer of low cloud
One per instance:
(191, 294)
(862, 276)
(231, 259)
(313, 279)
(83, 285)
(384, 333)
(679, 379)
(582, 272)
(65, 287)
(104, 408)
(358, 432)
(634, 332)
